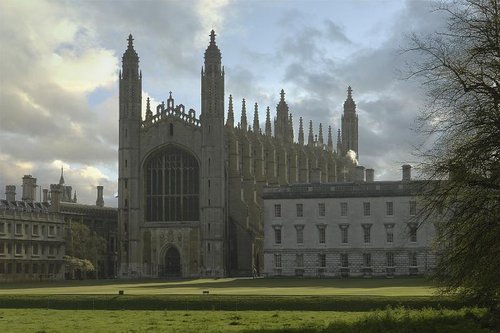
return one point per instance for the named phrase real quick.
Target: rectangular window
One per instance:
(19, 229)
(413, 208)
(19, 268)
(19, 249)
(390, 259)
(389, 232)
(300, 210)
(389, 208)
(344, 260)
(299, 260)
(300, 233)
(2, 268)
(413, 259)
(322, 260)
(52, 231)
(367, 259)
(413, 233)
(35, 229)
(343, 209)
(367, 233)
(321, 234)
(366, 208)
(344, 235)
(9, 248)
(26, 227)
(277, 235)
(2, 227)
(277, 260)
(2, 248)
(35, 268)
(35, 249)
(321, 209)
(277, 210)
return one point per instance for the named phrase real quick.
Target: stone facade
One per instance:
(31, 241)
(190, 188)
(346, 229)
(59, 206)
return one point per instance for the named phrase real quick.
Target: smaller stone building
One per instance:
(361, 228)
(31, 237)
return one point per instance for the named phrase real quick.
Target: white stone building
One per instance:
(361, 228)
(31, 236)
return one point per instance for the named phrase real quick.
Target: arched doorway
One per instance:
(172, 263)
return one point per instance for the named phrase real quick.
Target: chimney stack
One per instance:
(370, 175)
(360, 174)
(29, 187)
(100, 200)
(406, 173)
(45, 195)
(10, 192)
(55, 197)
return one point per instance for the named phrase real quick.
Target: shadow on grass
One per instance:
(296, 283)
(406, 321)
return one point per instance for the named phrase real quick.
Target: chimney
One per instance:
(360, 174)
(100, 201)
(316, 176)
(10, 192)
(29, 187)
(45, 195)
(55, 197)
(406, 173)
(370, 175)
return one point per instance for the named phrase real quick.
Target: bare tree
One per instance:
(460, 71)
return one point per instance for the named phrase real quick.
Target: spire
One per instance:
(301, 132)
(256, 119)
(243, 122)
(74, 197)
(330, 138)
(290, 129)
(130, 42)
(349, 125)
(349, 104)
(339, 143)
(212, 56)
(130, 52)
(320, 134)
(130, 62)
(282, 121)
(149, 113)
(212, 37)
(310, 139)
(61, 180)
(268, 122)
(230, 113)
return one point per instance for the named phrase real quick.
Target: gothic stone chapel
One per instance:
(190, 188)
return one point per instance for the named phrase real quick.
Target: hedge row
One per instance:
(225, 302)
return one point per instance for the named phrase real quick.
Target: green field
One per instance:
(388, 321)
(231, 286)
(236, 305)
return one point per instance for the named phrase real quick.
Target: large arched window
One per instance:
(172, 185)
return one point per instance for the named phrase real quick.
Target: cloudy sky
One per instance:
(59, 63)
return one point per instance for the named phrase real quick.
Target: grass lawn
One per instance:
(231, 286)
(399, 320)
